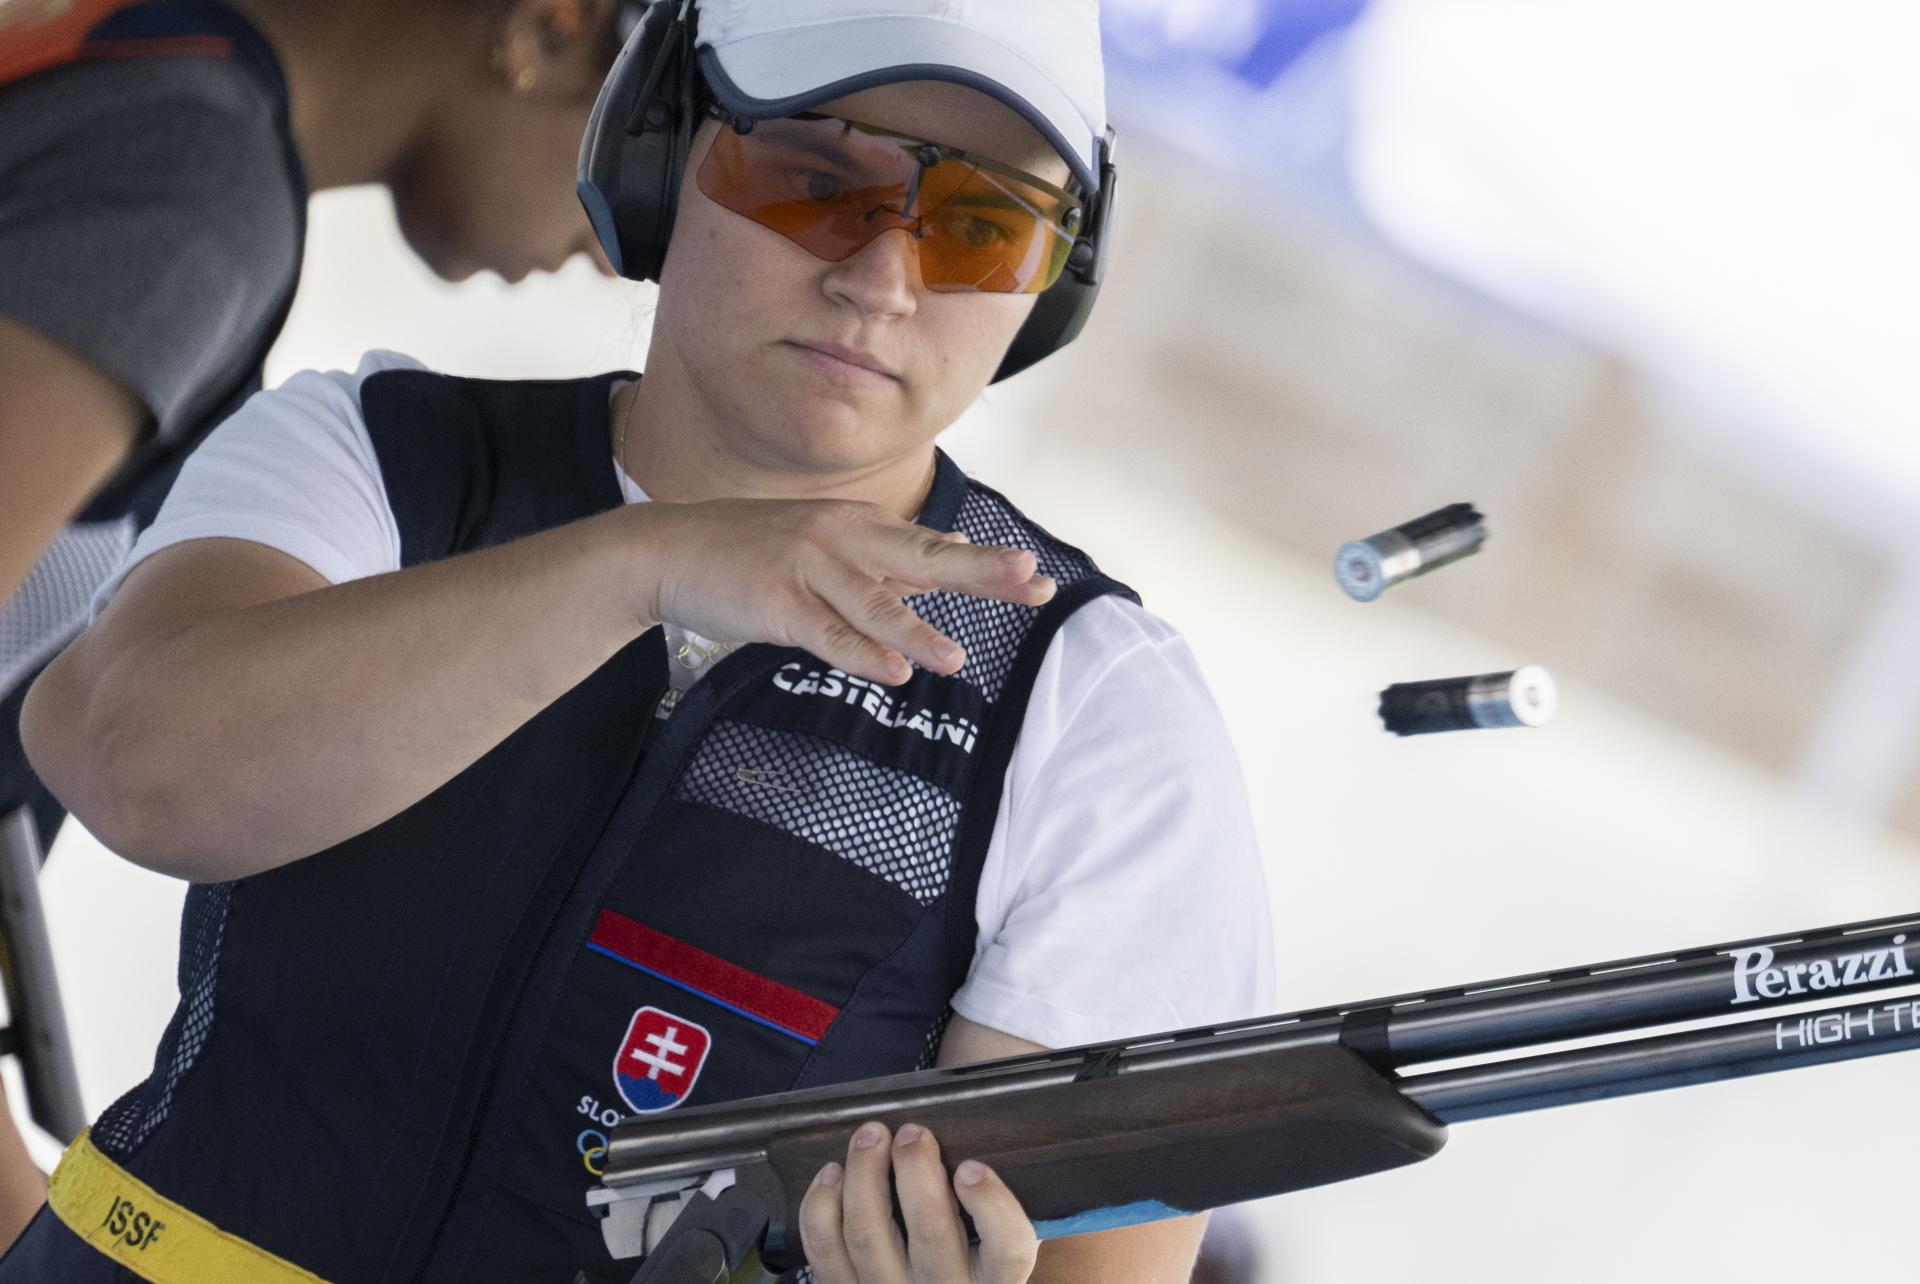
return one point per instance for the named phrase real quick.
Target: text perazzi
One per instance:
(1756, 978)
(877, 703)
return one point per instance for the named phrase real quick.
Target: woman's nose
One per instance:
(881, 276)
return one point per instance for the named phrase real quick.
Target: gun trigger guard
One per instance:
(626, 1225)
(692, 1257)
(734, 1209)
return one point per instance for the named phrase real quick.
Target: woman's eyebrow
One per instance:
(991, 200)
(995, 196)
(837, 150)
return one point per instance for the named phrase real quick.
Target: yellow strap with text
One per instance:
(149, 1234)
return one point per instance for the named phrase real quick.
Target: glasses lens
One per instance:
(989, 229)
(832, 186)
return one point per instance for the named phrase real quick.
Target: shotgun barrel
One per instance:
(1628, 1067)
(1112, 1134)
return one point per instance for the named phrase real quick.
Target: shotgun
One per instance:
(1116, 1134)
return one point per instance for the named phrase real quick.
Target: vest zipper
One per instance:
(658, 722)
(483, 1102)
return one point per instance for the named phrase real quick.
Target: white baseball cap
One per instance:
(768, 58)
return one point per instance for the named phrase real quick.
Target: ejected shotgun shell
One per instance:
(1525, 697)
(1368, 567)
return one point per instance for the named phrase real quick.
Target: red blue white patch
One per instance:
(659, 1060)
(759, 999)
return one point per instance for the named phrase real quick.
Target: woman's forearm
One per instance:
(230, 712)
(253, 736)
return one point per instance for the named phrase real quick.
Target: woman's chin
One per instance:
(829, 439)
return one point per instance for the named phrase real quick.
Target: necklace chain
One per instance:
(626, 422)
(690, 653)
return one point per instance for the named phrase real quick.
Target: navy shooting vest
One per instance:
(396, 1059)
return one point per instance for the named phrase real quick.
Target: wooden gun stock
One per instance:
(1092, 1153)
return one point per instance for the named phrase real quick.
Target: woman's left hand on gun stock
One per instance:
(848, 1229)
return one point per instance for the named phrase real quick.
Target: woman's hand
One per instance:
(826, 575)
(848, 1230)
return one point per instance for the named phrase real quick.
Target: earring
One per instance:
(522, 78)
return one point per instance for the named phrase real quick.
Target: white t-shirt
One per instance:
(1122, 892)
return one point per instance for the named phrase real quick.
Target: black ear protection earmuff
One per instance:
(635, 147)
(635, 153)
(1062, 309)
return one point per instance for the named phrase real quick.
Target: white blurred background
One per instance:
(1635, 278)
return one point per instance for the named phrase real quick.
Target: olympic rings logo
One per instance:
(590, 1154)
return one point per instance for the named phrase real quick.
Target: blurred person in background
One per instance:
(155, 162)
(549, 752)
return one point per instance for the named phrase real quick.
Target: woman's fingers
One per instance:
(820, 1228)
(877, 611)
(872, 1238)
(899, 552)
(1008, 1245)
(827, 634)
(983, 570)
(826, 575)
(936, 1244)
(847, 1221)
(914, 561)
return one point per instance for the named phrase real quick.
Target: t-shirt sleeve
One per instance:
(1124, 892)
(293, 469)
(149, 223)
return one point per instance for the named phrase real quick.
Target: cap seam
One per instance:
(1085, 171)
(944, 18)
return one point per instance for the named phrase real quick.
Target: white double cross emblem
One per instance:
(660, 1061)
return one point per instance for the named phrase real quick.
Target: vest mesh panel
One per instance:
(128, 1121)
(887, 822)
(991, 631)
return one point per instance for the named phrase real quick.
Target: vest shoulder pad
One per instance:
(468, 463)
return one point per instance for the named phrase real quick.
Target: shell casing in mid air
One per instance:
(1368, 567)
(1525, 697)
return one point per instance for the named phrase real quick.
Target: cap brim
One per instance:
(762, 77)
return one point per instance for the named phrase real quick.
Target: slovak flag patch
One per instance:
(659, 1060)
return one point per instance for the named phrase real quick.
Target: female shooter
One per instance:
(565, 751)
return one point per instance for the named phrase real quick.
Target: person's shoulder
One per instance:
(378, 362)
(986, 516)
(308, 408)
(373, 363)
(1114, 649)
(338, 392)
(152, 116)
(396, 388)
(168, 150)
(190, 153)
(99, 102)
(1118, 623)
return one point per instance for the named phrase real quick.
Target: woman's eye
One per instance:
(982, 233)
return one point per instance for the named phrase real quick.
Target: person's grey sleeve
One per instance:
(148, 222)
